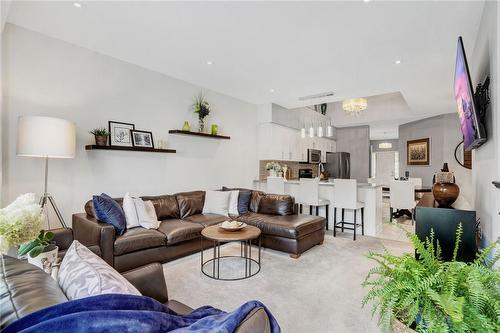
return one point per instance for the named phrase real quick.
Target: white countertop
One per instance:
(325, 183)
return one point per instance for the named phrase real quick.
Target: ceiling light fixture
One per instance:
(367, 0)
(311, 131)
(329, 131)
(397, 62)
(210, 62)
(354, 106)
(271, 90)
(385, 145)
(77, 4)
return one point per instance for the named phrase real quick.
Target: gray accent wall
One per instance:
(444, 134)
(356, 141)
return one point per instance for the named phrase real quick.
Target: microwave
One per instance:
(313, 156)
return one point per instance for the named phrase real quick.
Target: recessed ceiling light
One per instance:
(367, 0)
(210, 62)
(397, 62)
(77, 4)
(271, 90)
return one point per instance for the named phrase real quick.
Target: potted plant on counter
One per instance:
(430, 295)
(101, 135)
(273, 169)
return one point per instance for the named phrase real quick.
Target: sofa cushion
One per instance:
(255, 200)
(190, 203)
(107, 210)
(288, 226)
(244, 198)
(178, 231)
(83, 274)
(139, 238)
(207, 219)
(165, 205)
(276, 204)
(25, 288)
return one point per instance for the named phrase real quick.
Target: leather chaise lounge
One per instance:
(181, 224)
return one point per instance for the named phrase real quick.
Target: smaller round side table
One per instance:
(218, 235)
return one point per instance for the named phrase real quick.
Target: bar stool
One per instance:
(346, 197)
(275, 185)
(403, 198)
(309, 196)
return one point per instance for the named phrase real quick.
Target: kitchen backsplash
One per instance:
(293, 165)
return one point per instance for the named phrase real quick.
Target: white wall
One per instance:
(486, 167)
(45, 76)
(444, 134)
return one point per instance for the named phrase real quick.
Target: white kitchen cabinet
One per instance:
(276, 142)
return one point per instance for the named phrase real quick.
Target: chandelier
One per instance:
(354, 105)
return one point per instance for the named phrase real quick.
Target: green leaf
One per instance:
(25, 248)
(36, 251)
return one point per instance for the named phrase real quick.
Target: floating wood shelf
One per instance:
(151, 150)
(205, 135)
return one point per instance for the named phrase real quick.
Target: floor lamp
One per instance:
(46, 137)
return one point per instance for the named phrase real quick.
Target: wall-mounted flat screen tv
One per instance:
(470, 121)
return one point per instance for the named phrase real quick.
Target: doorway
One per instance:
(386, 165)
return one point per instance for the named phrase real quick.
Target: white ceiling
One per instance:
(294, 48)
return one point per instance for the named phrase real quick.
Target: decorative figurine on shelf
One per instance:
(186, 126)
(215, 129)
(202, 108)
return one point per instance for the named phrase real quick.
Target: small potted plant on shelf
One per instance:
(273, 169)
(431, 295)
(101, 135)
(202, 108)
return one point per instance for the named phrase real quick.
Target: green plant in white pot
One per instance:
(273, 168)
(20, 223)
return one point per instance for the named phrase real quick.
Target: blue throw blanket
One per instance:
(129, 313)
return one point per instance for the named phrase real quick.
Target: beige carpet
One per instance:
(319, 292)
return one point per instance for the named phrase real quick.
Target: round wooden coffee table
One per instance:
(218, 235)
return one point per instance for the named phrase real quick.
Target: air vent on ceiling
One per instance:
(320, 95)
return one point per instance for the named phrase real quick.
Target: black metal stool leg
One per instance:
(310, 210)
(300, 208)
(334, 221)
(342, 219)
(317, 210)
(326, 215)
(355, 225)
(363, 221)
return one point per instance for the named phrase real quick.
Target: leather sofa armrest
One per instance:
(256, 321)
(90, 232)
(63, 237)
(149, 280)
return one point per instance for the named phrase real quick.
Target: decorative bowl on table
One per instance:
(232, 225)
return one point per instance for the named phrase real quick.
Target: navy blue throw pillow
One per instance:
(109, 211)
(244, 198)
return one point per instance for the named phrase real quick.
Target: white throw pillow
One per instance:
(233, 203)
(130, 212)
(83, 274)
(147, 214)
(217, 202)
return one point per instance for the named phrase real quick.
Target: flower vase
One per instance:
(272, 173)
(201, 125)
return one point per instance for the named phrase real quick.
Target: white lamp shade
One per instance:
(45, 137)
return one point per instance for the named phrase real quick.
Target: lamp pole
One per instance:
(47, 196)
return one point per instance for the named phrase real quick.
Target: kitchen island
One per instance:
(370, 194)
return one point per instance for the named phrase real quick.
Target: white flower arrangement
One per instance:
(20, 222)
(273, 166)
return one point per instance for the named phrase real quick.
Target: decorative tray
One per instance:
(232, 225)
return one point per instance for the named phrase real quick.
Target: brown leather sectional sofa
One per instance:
(25, 288)
(179, 233)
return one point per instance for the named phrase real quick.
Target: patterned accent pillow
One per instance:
(83, 274)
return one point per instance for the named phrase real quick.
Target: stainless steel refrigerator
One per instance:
(338, 165)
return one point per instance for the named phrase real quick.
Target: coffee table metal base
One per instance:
(245, 255)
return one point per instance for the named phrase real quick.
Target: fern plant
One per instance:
(431, 295)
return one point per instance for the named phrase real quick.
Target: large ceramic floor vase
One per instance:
(445, 193)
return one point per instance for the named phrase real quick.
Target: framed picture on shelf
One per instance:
(142, 139)
(418, 152)
(120, 134)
